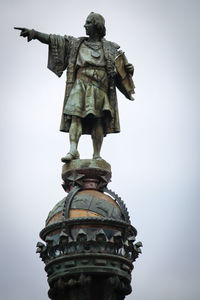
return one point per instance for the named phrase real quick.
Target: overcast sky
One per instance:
(155, 158)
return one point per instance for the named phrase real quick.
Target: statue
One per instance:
(95, 67)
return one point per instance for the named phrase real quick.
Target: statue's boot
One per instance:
(97, 156)
(75, 132)
(70, 156)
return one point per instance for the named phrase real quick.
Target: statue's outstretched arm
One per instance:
(33, 34)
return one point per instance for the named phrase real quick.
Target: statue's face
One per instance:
(89, 26)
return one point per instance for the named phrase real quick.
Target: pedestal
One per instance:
(90, 244)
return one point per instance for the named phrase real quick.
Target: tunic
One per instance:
(88, 96)
(90, 86)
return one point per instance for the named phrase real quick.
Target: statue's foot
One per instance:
(70, 156)
(97, 157)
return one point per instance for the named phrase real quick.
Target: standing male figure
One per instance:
(90, 103)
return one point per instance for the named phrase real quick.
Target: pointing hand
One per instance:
(25, 32)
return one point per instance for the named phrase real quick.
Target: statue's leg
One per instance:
(75, 132)
(97, 137)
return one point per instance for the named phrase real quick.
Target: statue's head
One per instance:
(95, 25)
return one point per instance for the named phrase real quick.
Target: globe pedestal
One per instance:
(90, 244)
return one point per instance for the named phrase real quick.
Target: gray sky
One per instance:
(155, 158)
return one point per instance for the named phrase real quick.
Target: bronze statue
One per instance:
(95, 67)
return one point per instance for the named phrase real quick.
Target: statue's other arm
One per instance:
(33, 34)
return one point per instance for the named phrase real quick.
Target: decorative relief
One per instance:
(84, 243)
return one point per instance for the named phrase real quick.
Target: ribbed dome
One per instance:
(86, 203)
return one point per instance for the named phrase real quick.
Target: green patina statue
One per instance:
(95, 67)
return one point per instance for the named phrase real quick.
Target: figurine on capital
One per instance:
(95, 67)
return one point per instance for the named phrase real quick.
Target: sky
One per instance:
(154, 160)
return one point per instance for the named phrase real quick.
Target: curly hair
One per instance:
(99, 23)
